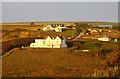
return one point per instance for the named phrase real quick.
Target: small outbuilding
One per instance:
(105, 38)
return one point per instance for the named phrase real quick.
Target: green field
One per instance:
(35, 23)
(32, 33)
(104, 23)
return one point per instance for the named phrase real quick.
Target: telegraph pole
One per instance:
(96, 22)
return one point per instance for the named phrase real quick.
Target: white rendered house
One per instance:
(56, 28)
(48, 28)
(49, 42)
(104, 39)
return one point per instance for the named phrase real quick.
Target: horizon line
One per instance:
(56, 21)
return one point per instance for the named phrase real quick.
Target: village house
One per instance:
(49, 42)
(48, 28)
(93, 31)
(58, 29)
(105, 38)
(105, 26)
(55, 27)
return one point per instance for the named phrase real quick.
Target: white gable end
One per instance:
(49, 43)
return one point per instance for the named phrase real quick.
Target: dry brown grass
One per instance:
(48, 63)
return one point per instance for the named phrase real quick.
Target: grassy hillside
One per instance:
(63, 62)
(110, 66)
(48, 63)
(23, 33)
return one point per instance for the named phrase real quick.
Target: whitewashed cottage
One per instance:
(55, 27)
(105, 38)
(49, 42)
(48, 28)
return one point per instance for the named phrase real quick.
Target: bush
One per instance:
(76, 45)
(98, 45)
(91, 46)
(70, 44)
(105, 51)
(82, 42)
(38, 29)
(81, 24)
(17, 45)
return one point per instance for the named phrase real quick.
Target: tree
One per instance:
(32, 24)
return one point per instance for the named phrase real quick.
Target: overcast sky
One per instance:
(59, 11)
(60, 0)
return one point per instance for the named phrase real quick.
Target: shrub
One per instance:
(38, 29)
(98, 45)
(82, 42)
(90, 45)
(17, 45)
(70, 44)
(105, 51)
(76, 45)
